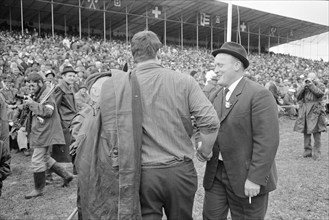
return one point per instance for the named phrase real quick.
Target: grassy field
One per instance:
(303, 188)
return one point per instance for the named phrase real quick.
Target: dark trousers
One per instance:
(221, 198)
(169, 188)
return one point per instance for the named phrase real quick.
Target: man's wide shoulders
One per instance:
(255, 87)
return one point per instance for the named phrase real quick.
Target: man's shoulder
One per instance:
(256, 88)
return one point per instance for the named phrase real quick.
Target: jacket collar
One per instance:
(229, 105)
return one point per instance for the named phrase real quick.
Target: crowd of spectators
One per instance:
(24, 54)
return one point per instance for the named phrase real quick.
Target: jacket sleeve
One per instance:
(317, 89)
(201, 108)
(265, 131)
(45, 109)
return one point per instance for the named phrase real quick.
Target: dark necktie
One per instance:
(225, 93)
(224, 100)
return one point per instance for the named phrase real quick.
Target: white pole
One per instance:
(10, 27)
(248, 39)
(39, 18)
(197, 31)
(211, 37)
(52, 19)
(127, 37)
(229, 22)
(79, 19)
(182, 32)
(146, 20)
(104, 23)
(65, 25)
(22, 19)
(165, 28)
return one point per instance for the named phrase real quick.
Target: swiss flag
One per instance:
(156, 11)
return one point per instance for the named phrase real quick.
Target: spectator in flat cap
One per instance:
(242, 171)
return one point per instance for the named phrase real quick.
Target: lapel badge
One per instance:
(228, 104)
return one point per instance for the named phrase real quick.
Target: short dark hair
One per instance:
(34, 77)
(145, 45)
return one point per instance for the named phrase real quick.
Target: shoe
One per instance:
(60, 171)
(39, 185)
(307, 153)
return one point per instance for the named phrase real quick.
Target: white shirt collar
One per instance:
(232, 87)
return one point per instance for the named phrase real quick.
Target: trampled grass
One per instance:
(303, 187)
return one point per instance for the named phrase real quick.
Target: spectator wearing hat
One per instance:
(82, 98)
(66, 104)
(241, 171)
(50, 76)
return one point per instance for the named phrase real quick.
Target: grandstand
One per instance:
(181, 22)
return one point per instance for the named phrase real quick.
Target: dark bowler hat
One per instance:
(67, 69)
(234, 49)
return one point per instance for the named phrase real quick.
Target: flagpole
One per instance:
(127, 25)
(79, 19)
(197, 31)
(229, 22)
(104, 23)
(248, 39)
(52, 18)
(39, 22)
(65, 25)
(146, 20)
(182, 32)
(269, 43)
(88, 27)
(211, 36)
(22, 19)
(258, 39)
(10, 27)
(165, 28)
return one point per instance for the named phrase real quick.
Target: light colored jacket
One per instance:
(311, 113)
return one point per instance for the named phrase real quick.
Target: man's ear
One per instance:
(237, 66)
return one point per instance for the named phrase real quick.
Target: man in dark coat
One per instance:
(45, 131)
(67, 109)
(311, 115)
(242, 171)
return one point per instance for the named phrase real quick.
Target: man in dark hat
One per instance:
(67, 109)
(242, 171)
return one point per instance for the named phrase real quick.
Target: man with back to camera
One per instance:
(168, 179)
(169, 99)
(311, 115)
(242, 170)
